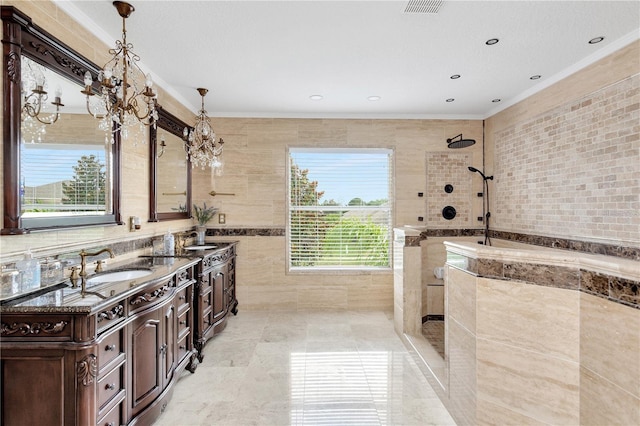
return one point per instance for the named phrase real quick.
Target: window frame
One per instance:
(390, 152)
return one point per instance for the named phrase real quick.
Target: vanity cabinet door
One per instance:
(146, 349)
(155, 348)
(169, 353)
(219, 284)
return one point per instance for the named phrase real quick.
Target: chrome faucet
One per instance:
(83, 260)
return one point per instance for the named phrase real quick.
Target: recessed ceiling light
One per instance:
(535, 77)
(450, 100)
(596, 40)
(374, 98)
(455, 77)
(316, 97)
(491, 41)
(496, 100)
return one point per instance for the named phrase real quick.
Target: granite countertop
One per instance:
(66, 298)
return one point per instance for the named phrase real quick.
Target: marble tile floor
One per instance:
(306, 368)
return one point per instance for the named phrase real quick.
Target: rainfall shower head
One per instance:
(473, 169)
(458, 142)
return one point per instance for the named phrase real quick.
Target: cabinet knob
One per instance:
(109, 424)
(182, 297)
(183, 322)
(183, 347)
(110, 348)
(111, 386)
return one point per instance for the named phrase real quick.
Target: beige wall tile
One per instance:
(435, 300)
(610, 343)
(461, 298)
(370, 295)
(539, 386)
(563, 159)
(496, 415)
(324, 297)
(535, 318)
(268, 298)
(461, 354)
(604, 403)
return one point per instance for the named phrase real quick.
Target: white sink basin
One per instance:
(204, 247)
(114, 276)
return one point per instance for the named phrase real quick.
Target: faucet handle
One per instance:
(99, 266)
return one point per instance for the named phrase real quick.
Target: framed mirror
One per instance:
(59, 170)
(170, 170)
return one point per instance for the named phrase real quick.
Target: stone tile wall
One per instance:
(572, 171)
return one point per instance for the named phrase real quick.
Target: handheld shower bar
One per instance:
(473, 169)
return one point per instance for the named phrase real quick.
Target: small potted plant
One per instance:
(203, 215)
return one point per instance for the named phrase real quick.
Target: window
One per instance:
(339, 208)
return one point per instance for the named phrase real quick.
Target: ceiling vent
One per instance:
(423, 6)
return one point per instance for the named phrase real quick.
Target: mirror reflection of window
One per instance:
(66, 166)
(171, 173)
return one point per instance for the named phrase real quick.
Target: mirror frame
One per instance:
(22, 37)
(175, 126)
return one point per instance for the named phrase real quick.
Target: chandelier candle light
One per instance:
(33, 103)
(201, 140)
(126, 97)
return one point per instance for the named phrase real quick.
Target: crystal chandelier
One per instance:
(201, 140)
(126, 97)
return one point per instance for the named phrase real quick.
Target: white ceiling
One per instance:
(265, 58)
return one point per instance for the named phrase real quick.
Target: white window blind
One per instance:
(59, 179)
(339, 208)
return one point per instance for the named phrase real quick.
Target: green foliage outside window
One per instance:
(87, 187)
(327, 236)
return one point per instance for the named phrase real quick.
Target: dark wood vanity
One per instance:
(108, 353)
(215, 294)
(112, 355)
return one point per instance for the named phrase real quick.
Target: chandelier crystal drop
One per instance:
(125, 97)
(203, 149)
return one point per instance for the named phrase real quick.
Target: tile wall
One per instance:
(529, 350)
(255, 172)
(566, 160)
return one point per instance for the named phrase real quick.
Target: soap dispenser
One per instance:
(30, 271)
(169, 244)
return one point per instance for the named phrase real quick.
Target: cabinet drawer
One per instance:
(184, 322)
(182, 300)
(109, 348)
(25, 327)
(184, 276)
(208, 318)
(207, 300)
(184, 347)
(205, 283)
(109, 386)
(113, 417)
(152, 295)
(110, 316)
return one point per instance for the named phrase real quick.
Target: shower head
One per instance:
(473, 169)
(458, 142)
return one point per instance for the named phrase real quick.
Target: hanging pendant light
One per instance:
(203, 149)
(126, 97)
